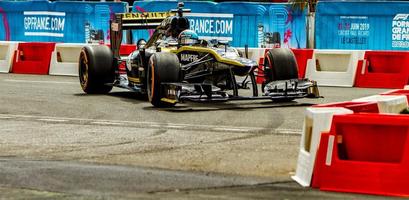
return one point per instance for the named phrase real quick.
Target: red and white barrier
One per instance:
(383, 69)
(334, 67)
(32, 58)
(356, 107)
(302, 56)
(125, 49)
(316, 120)
(65, 58)
(364, 153)
(6, 55)
(392, 104)
(398, 92)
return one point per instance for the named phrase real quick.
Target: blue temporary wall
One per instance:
(362, 25)
(44, 21)
(242, 23)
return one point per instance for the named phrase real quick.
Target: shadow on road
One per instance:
(137, 98)
(206, 107)
(131, 97)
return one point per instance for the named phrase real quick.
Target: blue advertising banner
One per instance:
(362, 25)
(241, 23)
(43, 21)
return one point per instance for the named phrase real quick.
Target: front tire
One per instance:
(96, 69)
(162, 67)
(280, 64)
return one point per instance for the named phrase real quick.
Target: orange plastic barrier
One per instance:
(302, 56)
(357, 107)
(32, 58)
(364, 153)
(383, 69)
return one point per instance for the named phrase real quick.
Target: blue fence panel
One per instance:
(244, 23)
(45, 21)
(362, 25)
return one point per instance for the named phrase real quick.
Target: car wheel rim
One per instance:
(83, 72)
(151, 80)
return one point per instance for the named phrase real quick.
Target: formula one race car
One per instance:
(174, 65)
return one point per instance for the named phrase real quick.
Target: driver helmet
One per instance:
(188, 37)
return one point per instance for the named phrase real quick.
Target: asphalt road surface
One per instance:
(58, 143)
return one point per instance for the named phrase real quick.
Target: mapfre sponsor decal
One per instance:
(189, 57)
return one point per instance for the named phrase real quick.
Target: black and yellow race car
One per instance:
(174, 65)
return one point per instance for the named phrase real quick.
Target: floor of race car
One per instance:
(59, 143)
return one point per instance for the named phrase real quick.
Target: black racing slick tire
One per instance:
(162, 67)
(280, 64)
(96, 69)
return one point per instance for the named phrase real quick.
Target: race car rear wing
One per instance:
(134, 21)
(147, 20)
(144, 20)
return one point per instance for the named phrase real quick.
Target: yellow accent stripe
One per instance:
(145, 15)
(207, 50)
(168, 100)
(136, 80)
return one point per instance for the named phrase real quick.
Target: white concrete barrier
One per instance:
(334, 67)
(64, 59)
(316, 121)
(6, 55)
(391, 104)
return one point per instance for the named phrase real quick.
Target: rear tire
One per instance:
(162, 67)
(280, 64)
(96, 69)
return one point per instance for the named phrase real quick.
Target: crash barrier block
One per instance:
(316, 121)
(259, 72)
(125, 49)
(32, 58)
(364, 153)
(356, 107)
(404, 92)
(302, 56)
(333, 67)
(124, 52)
(64, 59)
(383, 69)
(392, 104)
(6, 55)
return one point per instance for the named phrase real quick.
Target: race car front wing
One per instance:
(276, 90)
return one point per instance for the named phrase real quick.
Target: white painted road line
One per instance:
(5, 117)
(175, 126)
(231, 129)
(106, 123)
(48, 82)
(52, 120)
